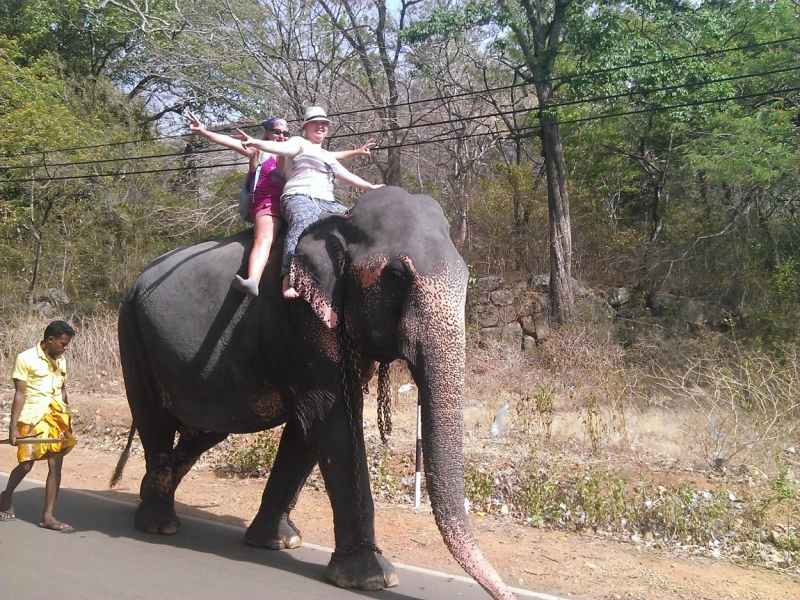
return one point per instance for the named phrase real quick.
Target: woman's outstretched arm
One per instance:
(290, 148)
(227, 141)
(362, 150)
(346, 176)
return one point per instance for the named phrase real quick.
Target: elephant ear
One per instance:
(317, 267)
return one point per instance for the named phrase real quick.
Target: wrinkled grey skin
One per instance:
(204, 360)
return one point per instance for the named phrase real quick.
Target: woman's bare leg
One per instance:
(266, 228)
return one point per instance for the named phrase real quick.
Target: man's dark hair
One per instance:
(57, 329)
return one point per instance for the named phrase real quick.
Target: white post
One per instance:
(418, 473)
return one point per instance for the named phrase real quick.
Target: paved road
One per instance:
(106, 558)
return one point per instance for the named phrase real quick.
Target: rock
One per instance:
(487, 316)
(43, 309)
(635, 309)
(593, 308)
(488, 336)
(528, 343)
(716, 317)
(540, 283)
(541, 323)
(578, 290)
(512, 334)
(508, 314)
(501, 298)
(519, 290)
(618, 296)
(489, 284)
(528, 326)
(662, 304)
(690, 312)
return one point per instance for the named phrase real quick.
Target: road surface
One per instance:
(106, 558)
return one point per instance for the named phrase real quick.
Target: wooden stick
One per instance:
(35, 441)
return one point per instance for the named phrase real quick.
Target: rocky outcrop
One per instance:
(519, 314)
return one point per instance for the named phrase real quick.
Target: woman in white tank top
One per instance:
(310, 172)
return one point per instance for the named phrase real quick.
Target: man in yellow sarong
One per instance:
(40, 409)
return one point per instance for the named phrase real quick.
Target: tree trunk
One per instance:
(561, 298)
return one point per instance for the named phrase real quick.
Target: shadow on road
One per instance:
(90, 512)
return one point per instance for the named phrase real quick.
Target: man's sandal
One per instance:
(60, 527)
(7, 515)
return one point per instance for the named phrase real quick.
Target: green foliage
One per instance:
(383, 480)
(509, 219)
(478, 485)
(255, 456)
(443, 22)
(784, 495)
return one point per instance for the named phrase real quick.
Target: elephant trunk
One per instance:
(436, 360)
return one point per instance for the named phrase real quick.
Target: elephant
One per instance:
(379, 283)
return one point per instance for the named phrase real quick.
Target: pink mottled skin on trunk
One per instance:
(433, 335)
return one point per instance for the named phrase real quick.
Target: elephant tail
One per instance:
(123, 459)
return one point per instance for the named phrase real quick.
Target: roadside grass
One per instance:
(93, 354)
(684, 444)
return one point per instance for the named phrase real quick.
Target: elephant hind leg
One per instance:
(156, 513)
(191, 445)
(272, 528)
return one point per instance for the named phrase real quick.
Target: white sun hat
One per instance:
(315, 113)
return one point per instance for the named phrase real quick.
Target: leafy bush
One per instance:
(253, 456)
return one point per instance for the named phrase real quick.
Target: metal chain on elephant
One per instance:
(384, 403)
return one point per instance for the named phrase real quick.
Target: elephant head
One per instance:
(389, 274)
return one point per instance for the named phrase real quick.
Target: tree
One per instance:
(537, 30)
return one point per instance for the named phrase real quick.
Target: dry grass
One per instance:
(92, 355)
(596, 436)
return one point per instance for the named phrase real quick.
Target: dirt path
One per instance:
(556, 562)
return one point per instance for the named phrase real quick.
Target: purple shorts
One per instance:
(265, 206)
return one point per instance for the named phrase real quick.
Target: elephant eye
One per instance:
(395, 274)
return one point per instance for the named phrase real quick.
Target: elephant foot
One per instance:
(365, 569)
(279, 533)
(157, 517)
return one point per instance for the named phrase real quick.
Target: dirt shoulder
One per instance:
(556, 562)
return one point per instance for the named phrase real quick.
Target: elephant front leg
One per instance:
(357, 561)
(272, 528)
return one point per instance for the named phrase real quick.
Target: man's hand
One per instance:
(13, 434)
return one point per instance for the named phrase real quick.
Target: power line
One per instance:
(117, 159)
(571, 76)
(639, 92)
(632, 92)
(525, 133)
(116, 173)
(532, 130)
(567, 77)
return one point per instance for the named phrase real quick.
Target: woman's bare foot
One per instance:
(288, 291)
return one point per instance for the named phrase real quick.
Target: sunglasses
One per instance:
(281, 132)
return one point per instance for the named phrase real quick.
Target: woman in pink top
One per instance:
(265, 200)
(265, 208)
